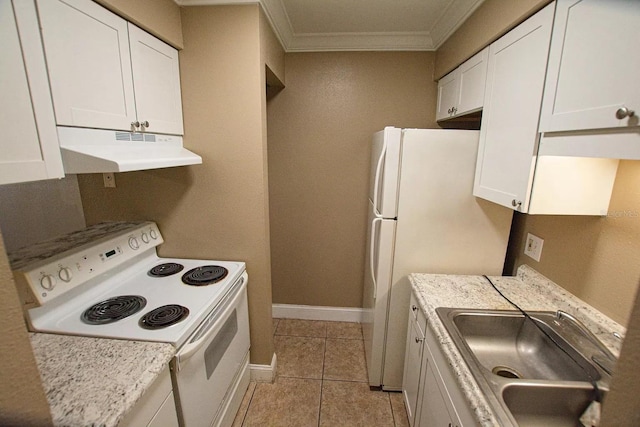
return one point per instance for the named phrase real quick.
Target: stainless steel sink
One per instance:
(536, 371)
(540, 405)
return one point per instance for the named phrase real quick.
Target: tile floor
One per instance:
(321, 381)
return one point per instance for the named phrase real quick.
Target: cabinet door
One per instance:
(87, 50)
(156, 78)
(473, 76)
(593, 66)
(448, 92)
(412, 365)
(29, 145)
(434, 411)
(508, 134)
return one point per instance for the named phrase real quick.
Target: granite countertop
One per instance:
(96, 381)
(529, 289)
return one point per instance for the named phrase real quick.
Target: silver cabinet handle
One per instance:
(145, 124)
(419, 340)
(624, 112)
(414, 308)
(515, 203)
(135, 124)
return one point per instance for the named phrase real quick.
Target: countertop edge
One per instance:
(96, 381)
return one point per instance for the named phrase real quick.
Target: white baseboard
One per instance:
(313, 312)
(264, 373)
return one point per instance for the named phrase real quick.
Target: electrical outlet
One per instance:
(109, 180)
(533, 247)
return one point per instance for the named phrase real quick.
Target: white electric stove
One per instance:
(108, 281)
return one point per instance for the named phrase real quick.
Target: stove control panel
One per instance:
(50, 278)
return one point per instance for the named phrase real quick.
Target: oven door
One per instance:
(204, 368)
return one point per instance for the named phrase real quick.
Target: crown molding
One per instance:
(360, 42)
(457, 12)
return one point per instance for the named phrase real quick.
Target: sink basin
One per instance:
(536, 405)
(535, 371)
(509, 345)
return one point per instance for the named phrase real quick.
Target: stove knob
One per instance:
(153, 234)
(145, 237)
(134, 244)
(65, 274)
(48, 282)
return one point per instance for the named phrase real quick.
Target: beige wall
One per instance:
(595, 258)
(320, 129)
(22, 399)
(270, 49)
(217, 210)
(488, 22)
(159, 17)
(623, 403)
(31, 212)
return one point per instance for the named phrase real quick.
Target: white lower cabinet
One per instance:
(435, 411)
(431, 393)
(413, 359)
(156, 408)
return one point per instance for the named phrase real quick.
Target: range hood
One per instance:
(100, 151)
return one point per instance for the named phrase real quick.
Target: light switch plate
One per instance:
(533, 247)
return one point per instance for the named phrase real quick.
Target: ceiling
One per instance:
(335, 25)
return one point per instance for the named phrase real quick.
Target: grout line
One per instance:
(324, 357)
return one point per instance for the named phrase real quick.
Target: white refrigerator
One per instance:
(423, 218)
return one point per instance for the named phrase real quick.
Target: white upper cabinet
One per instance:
(511, 170)
(156, 78)
(593, 66)
(95, 59)
(448, 92)
(87, 50)
(462, 91)
(508, 133)
(29, 147)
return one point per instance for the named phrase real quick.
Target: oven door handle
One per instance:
(213, 321)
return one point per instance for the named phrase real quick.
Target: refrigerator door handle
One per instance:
(371, 257)
(376, 181)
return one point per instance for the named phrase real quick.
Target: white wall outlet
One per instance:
(109, 180)
(533, 247)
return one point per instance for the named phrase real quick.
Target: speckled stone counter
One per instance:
(93, 381)
(529, 289)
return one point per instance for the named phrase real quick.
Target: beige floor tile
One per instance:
(286, 402)
(399, 410)
(275, 326)
(344, 360)
(242, 411)
(344, 330)
(353, 404)
(300, 357)
(302, 328)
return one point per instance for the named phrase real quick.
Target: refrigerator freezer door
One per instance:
(385, 169)
(380, 238)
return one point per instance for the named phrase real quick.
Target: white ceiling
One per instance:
(334, 25)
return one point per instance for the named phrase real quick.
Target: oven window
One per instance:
(220, 343)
